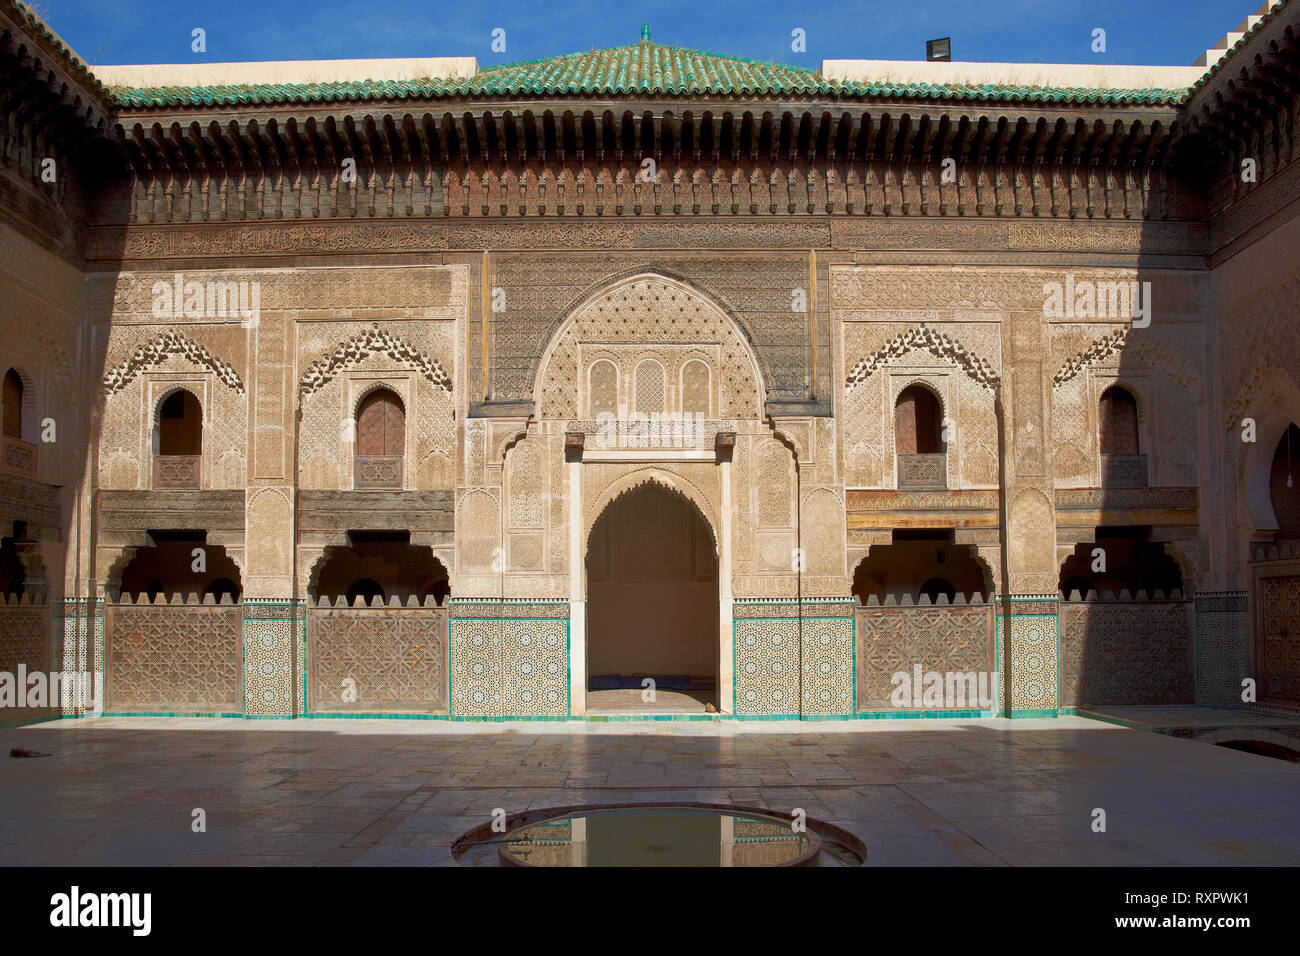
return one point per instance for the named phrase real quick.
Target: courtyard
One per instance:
(367, 792)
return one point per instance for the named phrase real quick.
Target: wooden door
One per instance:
(1279, 640)
(381, 426)
(13, 405)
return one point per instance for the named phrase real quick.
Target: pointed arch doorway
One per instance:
(652, 605)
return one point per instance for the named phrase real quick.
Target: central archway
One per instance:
(652, 604)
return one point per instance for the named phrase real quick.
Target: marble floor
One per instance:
(666, 701)
(376, 792)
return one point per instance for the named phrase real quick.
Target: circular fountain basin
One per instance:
(652, 835)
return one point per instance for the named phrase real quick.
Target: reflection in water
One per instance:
(658, 836)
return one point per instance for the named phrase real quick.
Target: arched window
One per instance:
(167, 567)
(649, 387)
(918, 422)
(922, 562)
(381, 440)
(13, 405)
(602, 394)
(180, 425)
(1284, 484)
(367, 588)
(918, 440)
(695, 389)
(222, 587)
(936, 586)
(1118, 415)
(179, 441)
(1132, 562)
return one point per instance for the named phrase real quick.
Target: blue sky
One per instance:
(1173, 32)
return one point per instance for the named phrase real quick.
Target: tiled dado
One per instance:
(1222, 647)
(272, 634)
(768, 649)
(1033, 648)
(509, 659)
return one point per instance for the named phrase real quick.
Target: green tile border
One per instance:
(168, 713)
(650, 718)
(901, 714)
(365, 715)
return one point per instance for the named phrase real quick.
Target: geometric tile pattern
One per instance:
(1126, 652)
(767, 667)
(767, 656)
(942, 639)
(79, 624)
(272, 630)
(1033, 648)
(173, 659)
(535, 668)
(474, 665)
(395, 659)
(506, 668)
(828, 666)
(1222, 647)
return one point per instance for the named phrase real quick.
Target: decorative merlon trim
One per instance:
(171, 342)
(364, 344)
(937, 343)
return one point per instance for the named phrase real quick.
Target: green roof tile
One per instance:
(41, 29)
(640, 68)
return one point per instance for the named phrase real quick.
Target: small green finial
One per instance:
(645, 33)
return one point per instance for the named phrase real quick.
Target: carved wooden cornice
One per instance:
(1247, 107)
(51, 108)
(851, 162)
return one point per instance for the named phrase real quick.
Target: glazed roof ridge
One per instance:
(639, 68)
(1276, 8)
(71, 58)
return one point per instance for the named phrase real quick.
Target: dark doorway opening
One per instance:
(184, 563)
(1120, 558)
(652, 605)
(922, 562)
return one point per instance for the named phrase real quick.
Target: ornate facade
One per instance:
(480, 393)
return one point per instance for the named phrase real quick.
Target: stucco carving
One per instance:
(934, 342)
(657, 312)
(373, 340)
(154, 351)
(636, 478)
(1098, 350)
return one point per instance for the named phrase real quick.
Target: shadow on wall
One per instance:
(1126, 619)
(922, 564)
(379, 566)
(179, 563)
